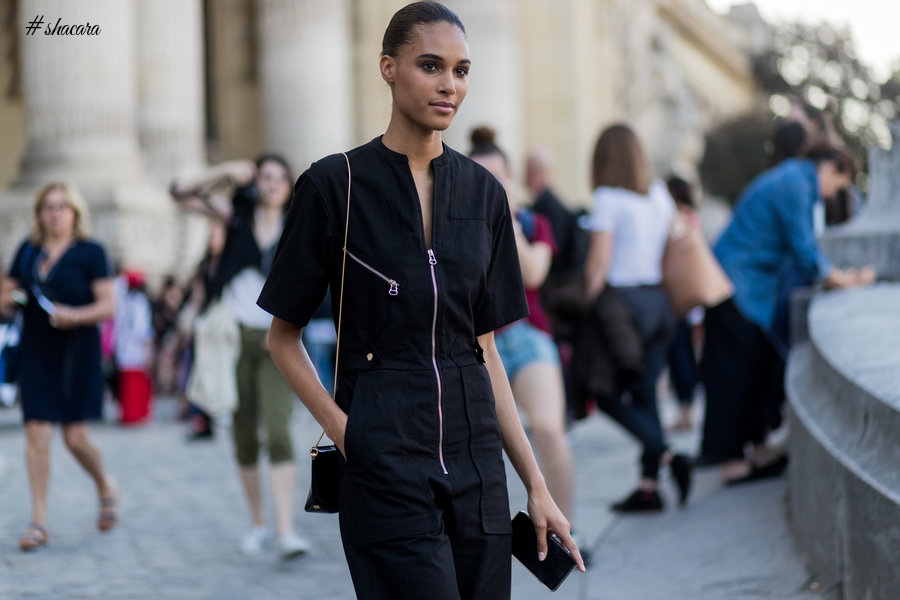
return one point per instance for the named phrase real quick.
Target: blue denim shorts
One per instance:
(522, 344)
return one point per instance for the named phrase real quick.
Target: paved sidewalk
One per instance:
(182, 515)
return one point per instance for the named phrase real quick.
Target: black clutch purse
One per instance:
(325, 481)
(551, 571)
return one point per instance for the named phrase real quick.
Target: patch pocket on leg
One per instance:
(487, 449)
(495, 499)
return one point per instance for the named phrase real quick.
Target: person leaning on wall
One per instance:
(770, 237)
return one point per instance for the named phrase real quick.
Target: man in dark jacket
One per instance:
(571, 239)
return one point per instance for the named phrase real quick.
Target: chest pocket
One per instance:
(467, 250)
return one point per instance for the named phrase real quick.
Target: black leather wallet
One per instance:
(551, 571)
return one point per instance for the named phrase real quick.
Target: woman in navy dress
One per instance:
(64, 281)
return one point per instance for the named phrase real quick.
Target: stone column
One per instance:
(79, 93)
(305, 67)
(496, 95)
(170, 87)
(563, 42)
(372, 96)
(80, 104)
(170, 113)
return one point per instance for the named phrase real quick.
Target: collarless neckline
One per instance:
(399, 157)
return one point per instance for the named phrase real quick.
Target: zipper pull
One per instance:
(431, 259)
(394, 289)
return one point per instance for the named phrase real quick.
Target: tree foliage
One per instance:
(735, 153)
(816, 64)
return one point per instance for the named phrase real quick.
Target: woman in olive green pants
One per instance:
(254, 217)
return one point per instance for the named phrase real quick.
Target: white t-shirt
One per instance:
(240, 297)
(640, 227)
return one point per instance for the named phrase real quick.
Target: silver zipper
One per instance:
(394, 287)
(432, 260)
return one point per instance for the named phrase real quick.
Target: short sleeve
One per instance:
(660, 192)
(504, 297)
(98, 265)
(604, 210)
(15, 269)
(296, 285)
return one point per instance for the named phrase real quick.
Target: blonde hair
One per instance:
(73, 198)
(619, 161)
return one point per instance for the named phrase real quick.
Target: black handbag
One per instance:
(325, 480)
(327, 462)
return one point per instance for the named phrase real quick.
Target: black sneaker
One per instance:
(772, 469)
(639, 501)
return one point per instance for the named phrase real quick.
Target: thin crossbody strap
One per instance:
(337, 349)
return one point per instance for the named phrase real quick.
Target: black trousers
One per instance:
(635, 408)
(418, 522)
(682, 363)
(743, 376)
(455, 561)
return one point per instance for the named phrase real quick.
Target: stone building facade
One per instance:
(170, 85)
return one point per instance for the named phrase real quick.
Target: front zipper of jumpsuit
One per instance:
(393, 290)
(432, 261)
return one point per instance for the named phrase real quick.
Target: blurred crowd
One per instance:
(538, 315)
(605, 333)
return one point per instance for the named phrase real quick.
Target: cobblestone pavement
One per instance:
(182, 515)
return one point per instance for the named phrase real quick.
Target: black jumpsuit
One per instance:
(424, 507)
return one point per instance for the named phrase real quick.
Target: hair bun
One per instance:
(483, 136)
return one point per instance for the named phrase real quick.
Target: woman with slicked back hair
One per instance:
(422, 408)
